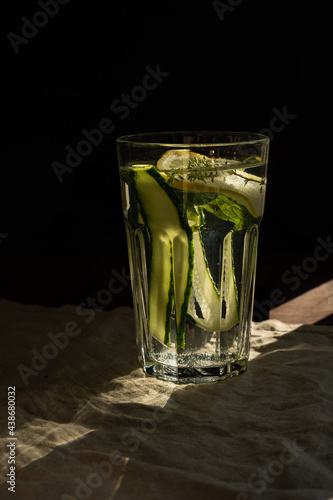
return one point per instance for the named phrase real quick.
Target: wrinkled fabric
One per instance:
(89, 424)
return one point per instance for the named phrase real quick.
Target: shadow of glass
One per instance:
(266, 431)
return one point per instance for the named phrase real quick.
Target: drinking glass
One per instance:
(192, 205)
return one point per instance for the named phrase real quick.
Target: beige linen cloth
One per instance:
(90, 425)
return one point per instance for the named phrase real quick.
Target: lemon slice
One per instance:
(245, 188)
(177, 158)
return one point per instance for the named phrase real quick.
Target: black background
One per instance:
(224, 72)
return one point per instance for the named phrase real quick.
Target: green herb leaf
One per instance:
(230, 210)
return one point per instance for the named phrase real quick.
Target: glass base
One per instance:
(188, 375)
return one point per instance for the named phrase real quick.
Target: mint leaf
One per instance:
(230, 210)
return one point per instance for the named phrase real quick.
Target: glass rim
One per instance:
(141, 139)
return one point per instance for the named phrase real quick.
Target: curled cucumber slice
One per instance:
(171, 265)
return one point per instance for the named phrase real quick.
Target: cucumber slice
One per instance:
(171, 261)
(219, 309)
